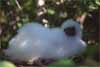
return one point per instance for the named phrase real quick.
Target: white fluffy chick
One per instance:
(34, 41)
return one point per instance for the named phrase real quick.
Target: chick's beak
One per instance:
(70, 31)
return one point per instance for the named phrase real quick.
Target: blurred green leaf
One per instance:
(51, 11)
(92, 7)
(19, 25)
(13, 2)
(6, 64)
(97, 2)
(62, 63)
(91, 49)
(26, 19)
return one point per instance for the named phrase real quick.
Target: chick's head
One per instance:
(71, 28)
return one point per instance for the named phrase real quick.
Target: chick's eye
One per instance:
(70, 31)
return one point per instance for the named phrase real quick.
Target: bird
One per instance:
(34, 41)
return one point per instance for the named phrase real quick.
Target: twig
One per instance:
(19, 6)
(81, 18)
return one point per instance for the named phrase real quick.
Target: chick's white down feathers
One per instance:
(34, 41)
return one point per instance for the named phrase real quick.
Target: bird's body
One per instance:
(34, 41)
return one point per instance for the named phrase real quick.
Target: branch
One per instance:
(81, 18)
(18, 5)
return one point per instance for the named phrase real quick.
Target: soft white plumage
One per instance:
(34, 41)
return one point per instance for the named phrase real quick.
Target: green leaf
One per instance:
(13, 2)
(92, 7)
(6, 64)
(62, 63)
(51, 11)
(19, 25)
(97, 2)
